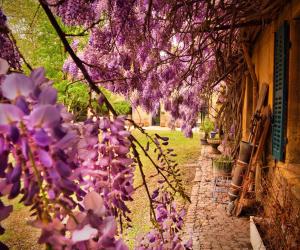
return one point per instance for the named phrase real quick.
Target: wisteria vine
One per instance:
(163, 51)
(77, 178)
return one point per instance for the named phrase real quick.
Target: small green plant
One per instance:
(207, 125)
(224, 158)
(223, 163)
(122, 107)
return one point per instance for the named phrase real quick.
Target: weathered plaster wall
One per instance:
(293, 117)
(247, 107)
(263, 60)
(141, 117)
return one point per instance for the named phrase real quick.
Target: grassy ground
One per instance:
(187, 151)
(19, 235)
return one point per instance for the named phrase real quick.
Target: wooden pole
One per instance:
(261, 135)
(252, 74)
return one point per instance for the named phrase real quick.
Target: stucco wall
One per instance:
(141, 117)
(293, 116)
(263, 60)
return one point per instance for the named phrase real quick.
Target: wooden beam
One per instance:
(252, 74)
(262, 96)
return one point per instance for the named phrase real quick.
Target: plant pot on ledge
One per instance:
(214, 143)
(203, 140)
(213, 134)
(206, 127)
(223, 165)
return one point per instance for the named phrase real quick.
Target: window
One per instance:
(281, 47)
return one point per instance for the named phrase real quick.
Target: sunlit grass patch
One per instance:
(20, 235)
(187, 150)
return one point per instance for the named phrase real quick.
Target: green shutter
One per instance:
(280, 91)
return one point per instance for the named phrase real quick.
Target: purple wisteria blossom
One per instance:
(149, 69)
(78, 178)
(8, 49)
(170, 221)
(74, 198)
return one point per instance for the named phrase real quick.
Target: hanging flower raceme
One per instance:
(167, 233)
(78, 12)
(109, 169)
(39, 161)
(33, 126)
(78, 178)
(91, 228)
(8, 49)
(142, 55)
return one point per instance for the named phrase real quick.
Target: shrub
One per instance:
(207, 125)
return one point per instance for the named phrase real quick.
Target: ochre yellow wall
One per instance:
(141, 117)
(247, 107)
(263, 59)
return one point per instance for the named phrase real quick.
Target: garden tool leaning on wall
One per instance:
(243, 174)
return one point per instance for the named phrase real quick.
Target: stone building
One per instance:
(162, 118)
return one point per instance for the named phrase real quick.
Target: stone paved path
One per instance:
(207, 221)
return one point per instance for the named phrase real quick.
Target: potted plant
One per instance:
(223, 165)
(213, 134)
(206, 126)
(214, 143)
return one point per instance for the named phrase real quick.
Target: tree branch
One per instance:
(75, 58)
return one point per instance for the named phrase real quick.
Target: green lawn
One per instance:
(187, 151)
(19, 235)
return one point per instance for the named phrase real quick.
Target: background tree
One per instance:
(37, 40)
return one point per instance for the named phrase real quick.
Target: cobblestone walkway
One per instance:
(207, 221)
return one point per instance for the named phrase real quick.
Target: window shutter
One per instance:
(281, 47)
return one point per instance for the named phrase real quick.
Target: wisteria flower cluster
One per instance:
(41, 161)
(8, 49)
(147, 69)
(76, 178)
(107, 166)
(167, 233)
(78, 12)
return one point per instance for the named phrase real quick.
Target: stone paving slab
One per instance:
(206, 221)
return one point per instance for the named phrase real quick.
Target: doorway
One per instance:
(156, 119)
